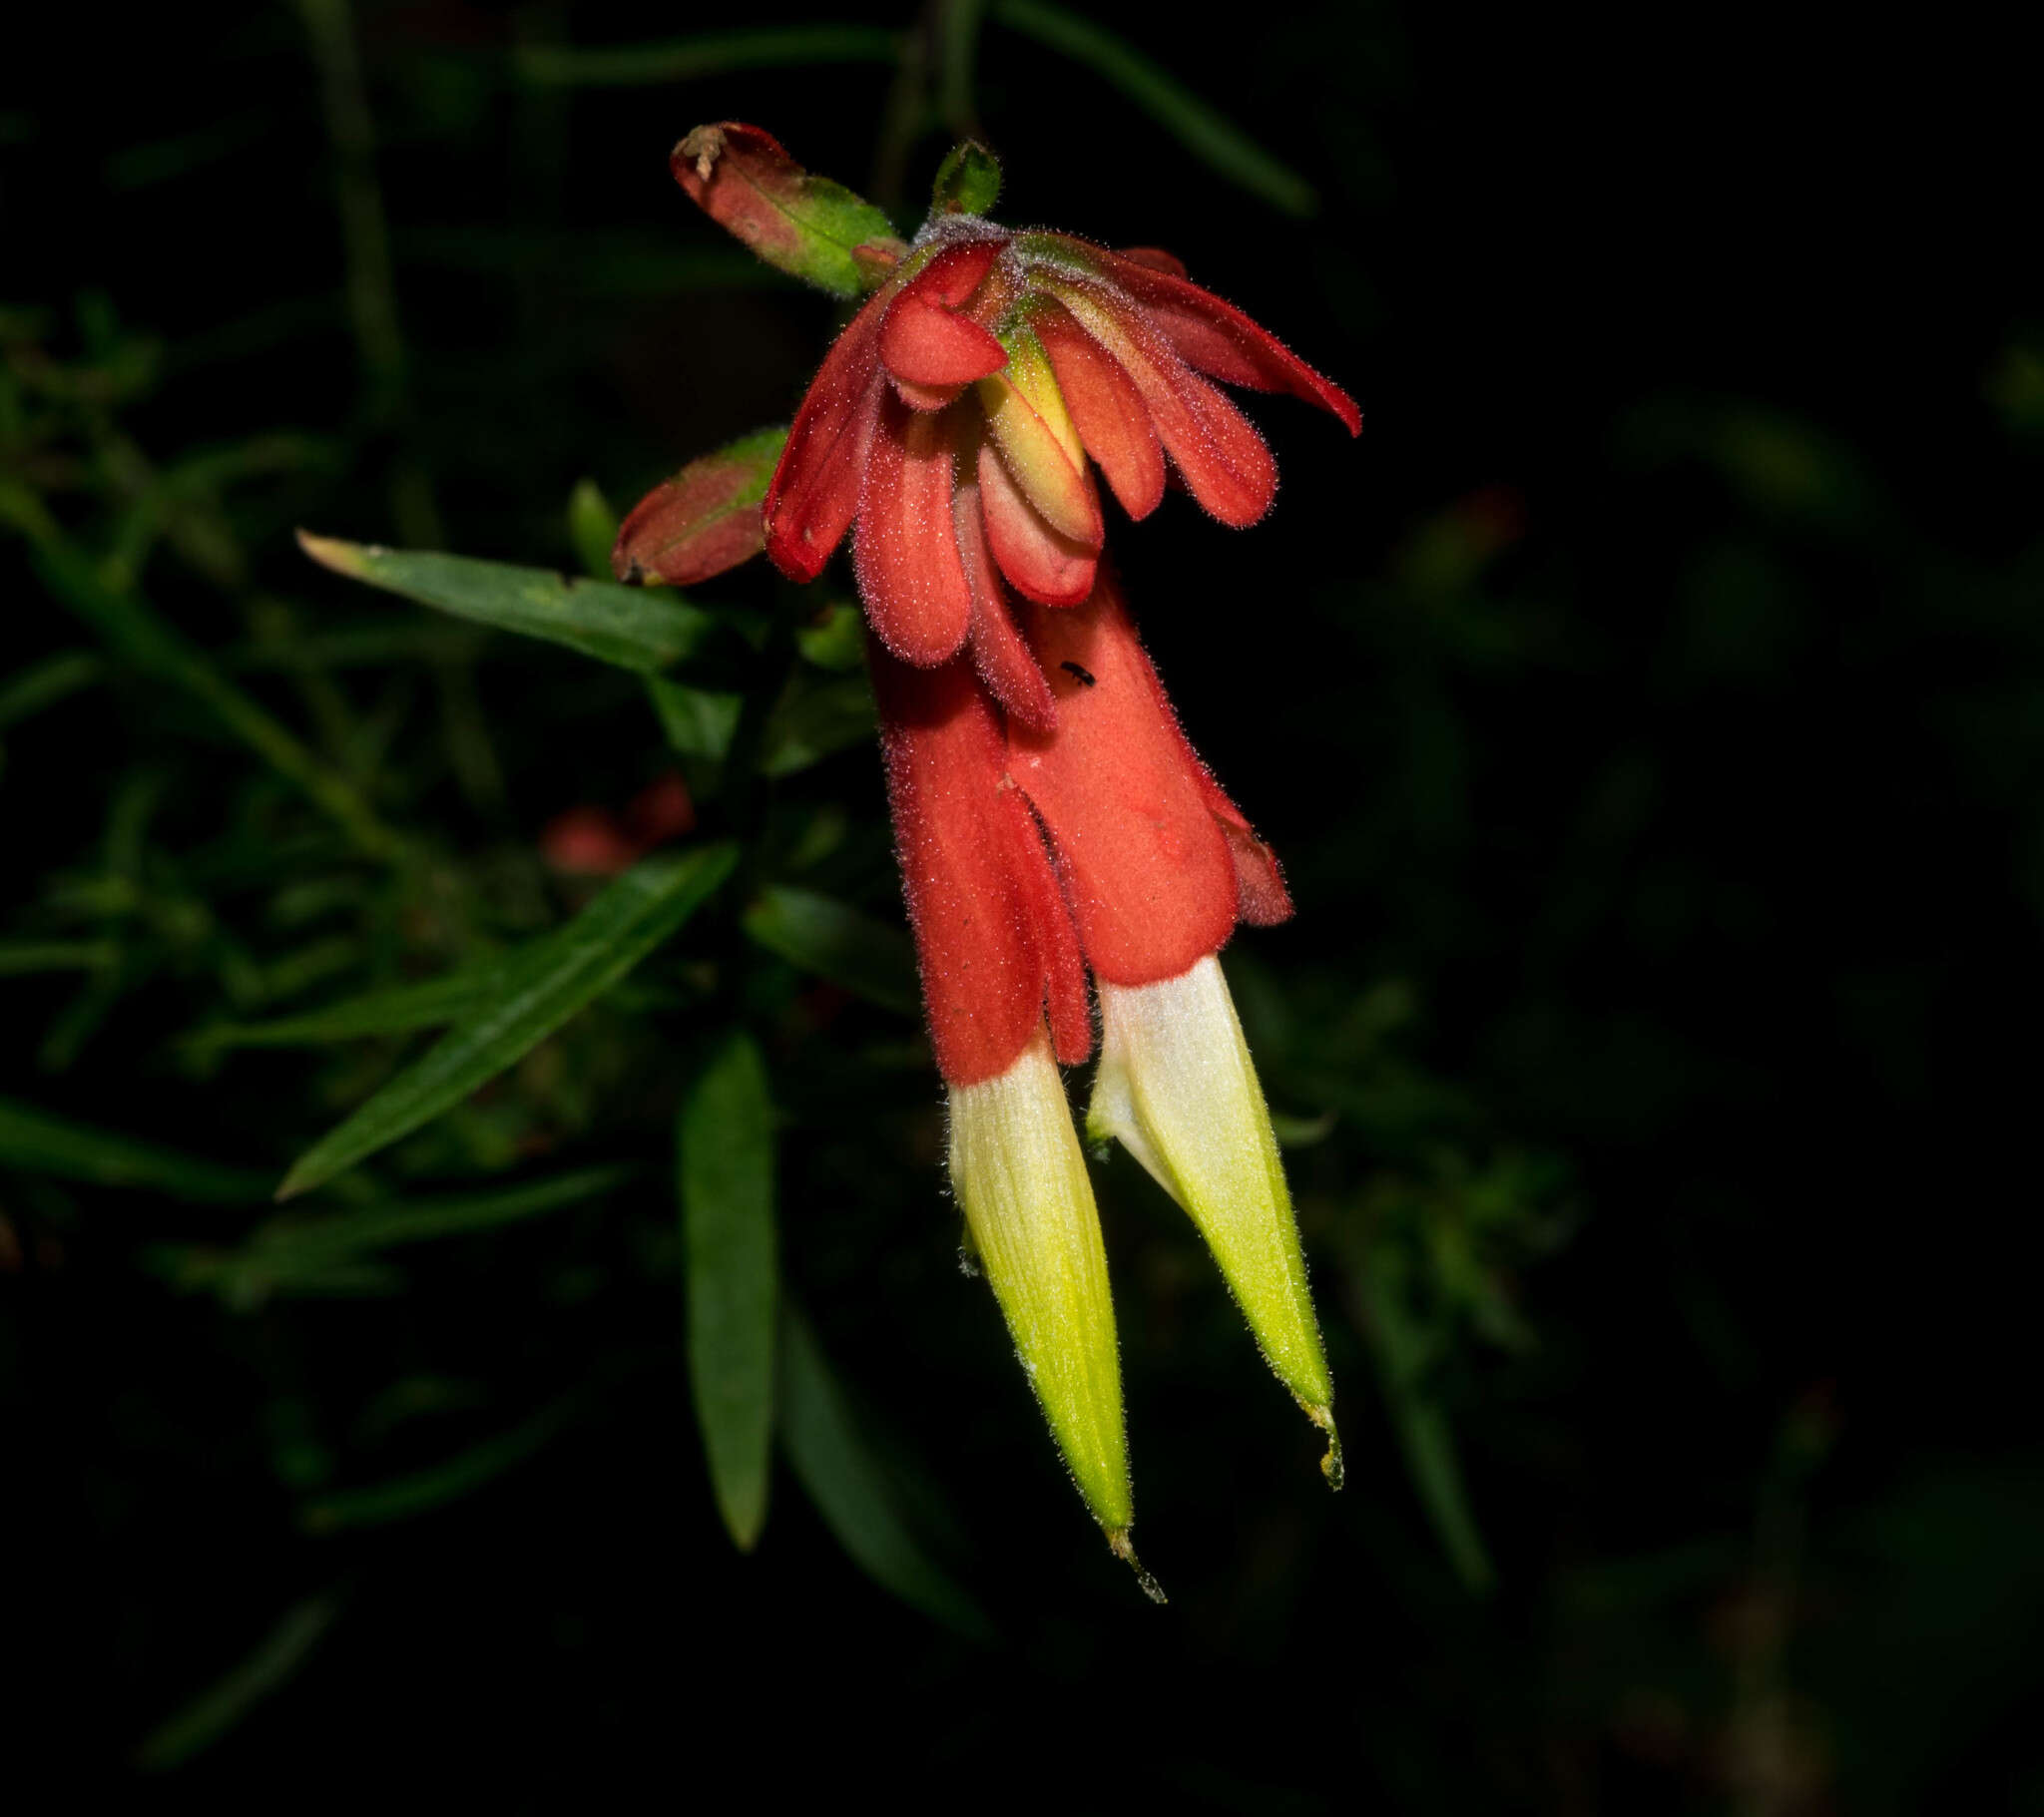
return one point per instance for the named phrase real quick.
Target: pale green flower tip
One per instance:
(1118, 1543)
(1032, 1227)
(1331, 1466)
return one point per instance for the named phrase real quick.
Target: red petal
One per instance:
(925, 397)
(905, 554)
(956, 270)
(991, 929)
(815, 490)
(1107, 410)
(998, 653)
(1040, 562)
(928, 345)
(1156, 257)
(1224, 460)
(1147, 865)
(1260, 896)
(1219, 339)
(931, 352)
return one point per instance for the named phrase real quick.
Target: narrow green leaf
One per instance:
(34, 1141)
(698, 721)
(402, 1498)
(1205, 132)
(872, 959)
(725, 1167)
(850, 1485)
(591, 528)
(398, 1011)
(816, 717)
(139, 635)
(1424, 1434)
(386, 1227)
(836, 640)
(542, 985)
(631, 627)
(708, 54)
(23, 958)
(220, 1708)
(40, 684)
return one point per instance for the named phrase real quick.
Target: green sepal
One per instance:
(968, 180)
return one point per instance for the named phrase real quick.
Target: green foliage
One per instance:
(852, 1487)
(725, 1173)
(628, 626)
(536, 991)
(1201, 128)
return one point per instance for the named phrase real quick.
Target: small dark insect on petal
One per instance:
(1073, 669)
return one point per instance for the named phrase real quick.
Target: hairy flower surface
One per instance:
(956, 425)
(1053, 824)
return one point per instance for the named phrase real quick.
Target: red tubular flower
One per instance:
(1051, 818)
(961, 415)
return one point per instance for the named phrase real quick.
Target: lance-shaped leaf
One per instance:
(869, 957)
(400, 1010)
(32, 1140)
(626, 625)
(806, 225)
(542, 985)
(704, 520)
(725, 1168)
(851, 1485)
(1178, 1090)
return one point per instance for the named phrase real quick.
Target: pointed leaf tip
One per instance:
(968, 180)
(351, 559)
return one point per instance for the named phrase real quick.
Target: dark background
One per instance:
(1649, 709)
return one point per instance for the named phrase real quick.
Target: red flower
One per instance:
(1029, 857)
(1051, 818)
(958, 420)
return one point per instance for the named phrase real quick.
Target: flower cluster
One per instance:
(1053, 824)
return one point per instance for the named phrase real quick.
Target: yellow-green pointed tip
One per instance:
(1118, 1543)
(1029, 1215)
(1177, 1089)
(1331, 1466)
(331, 552)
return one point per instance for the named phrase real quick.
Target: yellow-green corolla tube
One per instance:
(1176, 1089)
(1018, 1173)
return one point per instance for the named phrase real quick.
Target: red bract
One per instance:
(1030, 856)
(967, 404)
